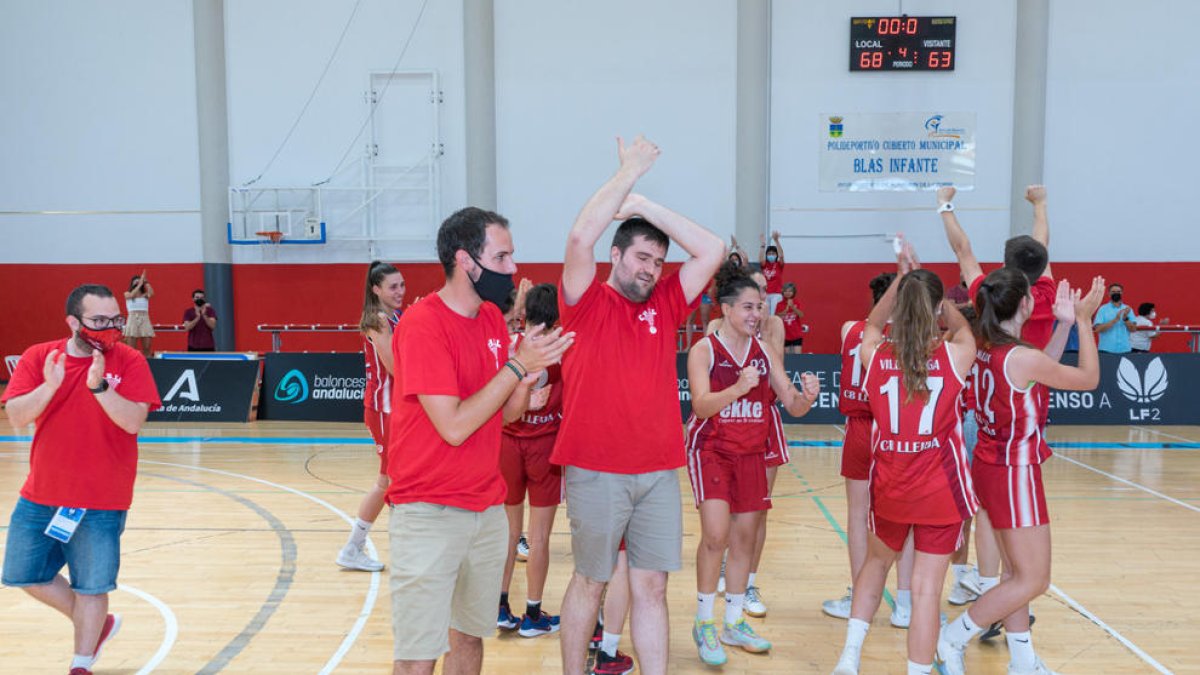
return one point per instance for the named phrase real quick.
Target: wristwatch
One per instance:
(945, 206)
(99, 389)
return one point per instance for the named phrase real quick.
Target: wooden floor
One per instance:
(228, 562)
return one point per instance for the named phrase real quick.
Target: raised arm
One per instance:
(737, 248)
(959, 335)
(579, 265)
(877, 321)
(1036, 195)
(1064, 315)
(1031, 365)
(778, 245)
(957, 237)
(706, 249)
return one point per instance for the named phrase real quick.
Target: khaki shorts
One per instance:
(138, 325)
(644, 509)
(446, 569)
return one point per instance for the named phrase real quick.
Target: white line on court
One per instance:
(1109, 629)
(1163, 433)
(372, 591)
(170, 631)
(1130, 483)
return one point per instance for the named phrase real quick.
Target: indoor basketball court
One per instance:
(232, 170)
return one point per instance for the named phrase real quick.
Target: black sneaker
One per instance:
(995, 629)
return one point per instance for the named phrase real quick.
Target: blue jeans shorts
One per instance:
(92, 557)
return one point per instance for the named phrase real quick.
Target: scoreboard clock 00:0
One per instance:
(902, 42)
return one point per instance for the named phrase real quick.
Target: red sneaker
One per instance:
(112, 624)
(80, 671)
(612, 665)
(597, 638)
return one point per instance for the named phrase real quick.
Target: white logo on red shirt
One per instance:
(114, 379)
(494, 347)
(648, 317)
(743, 408)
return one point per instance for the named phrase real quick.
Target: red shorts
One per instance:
(1013, 496)
(525, 464)
(777, 447)
(377, 423)
(739, 480)
(856, 448)
(932, 539)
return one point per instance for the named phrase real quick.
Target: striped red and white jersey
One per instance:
(852, 398)
(377, 394)
(741, 427)
(919, 471)
(1011, 418)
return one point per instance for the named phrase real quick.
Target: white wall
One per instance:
(1122, 101)
(99, 114)
(810, 76)
(572, 76)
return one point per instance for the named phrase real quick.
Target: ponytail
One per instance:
(915, 329)
(377, 271)
(997, 301)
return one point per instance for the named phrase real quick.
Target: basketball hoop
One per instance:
(272, 236)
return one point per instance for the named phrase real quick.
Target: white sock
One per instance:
(856, 632)
(750, 580)
(358, 533)
(704, 606)
(82, 661)
(960, 571)
(1021, 657)
(904, 598)
(733, 607)
(609, 642)
(960, 631)
(988, 583)
(918, 669)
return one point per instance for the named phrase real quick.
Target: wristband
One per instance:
(519, 365)
(100, 388)
(513, 368)
(945, 207)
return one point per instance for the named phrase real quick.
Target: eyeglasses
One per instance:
(102, 322)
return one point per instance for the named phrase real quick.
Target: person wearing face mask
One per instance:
(89, 394)
(770, 258)
(199, 322)
(1140, 339)
(455, 385)
(1114, 322)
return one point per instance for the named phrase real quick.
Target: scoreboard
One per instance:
(902, 43)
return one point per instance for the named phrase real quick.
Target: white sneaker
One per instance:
(901, 616)
(840, 608)
(1039, 668)
(721, 579)
(357, 559)
(754, 605)
(950, 657)
(522, 549)
(961, 595)
(970, 581)
(848, 663)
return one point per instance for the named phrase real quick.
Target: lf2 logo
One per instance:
(184, 387)
(1143, 389)
(292, 388)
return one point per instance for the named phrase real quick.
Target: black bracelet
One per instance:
(513, 368)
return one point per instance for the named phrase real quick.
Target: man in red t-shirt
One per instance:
(620, 440)
(452, 377)
(1026, 253)
(89, 395)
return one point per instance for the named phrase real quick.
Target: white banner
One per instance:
(897, 151)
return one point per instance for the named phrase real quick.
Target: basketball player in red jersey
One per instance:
(525, 447)
(919, 478)
(382, 299)
(734, 380)
(1011, 406)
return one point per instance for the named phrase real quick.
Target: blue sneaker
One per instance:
(544, 624)
(506, 620)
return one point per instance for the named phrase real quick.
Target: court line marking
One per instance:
(1130, 483)
(1110, 630)
(373, 589)
(1163, 433)
(170, 631)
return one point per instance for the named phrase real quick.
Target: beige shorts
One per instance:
(446, 569)
(643, 508)
(138, 325)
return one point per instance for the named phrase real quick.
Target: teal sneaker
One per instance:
(740, 634)
(705, 635)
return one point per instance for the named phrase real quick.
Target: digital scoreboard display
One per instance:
(902, 42)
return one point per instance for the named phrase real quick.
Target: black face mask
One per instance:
(494, 287)
(199, 302)
(1115, 296)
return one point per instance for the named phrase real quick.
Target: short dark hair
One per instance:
(199, 290)
(1116, 284)
(1145, 308)
(1026, 255)
(75, 299)
(465, 230)
(541, 306)
(639, 227)
(880, 284)
(772, 249)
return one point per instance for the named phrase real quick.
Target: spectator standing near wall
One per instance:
(1114, 322)
(199, 322)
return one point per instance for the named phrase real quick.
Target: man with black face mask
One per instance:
(1114, 321)
(199, 322)
(454, 385)
(89, 395)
